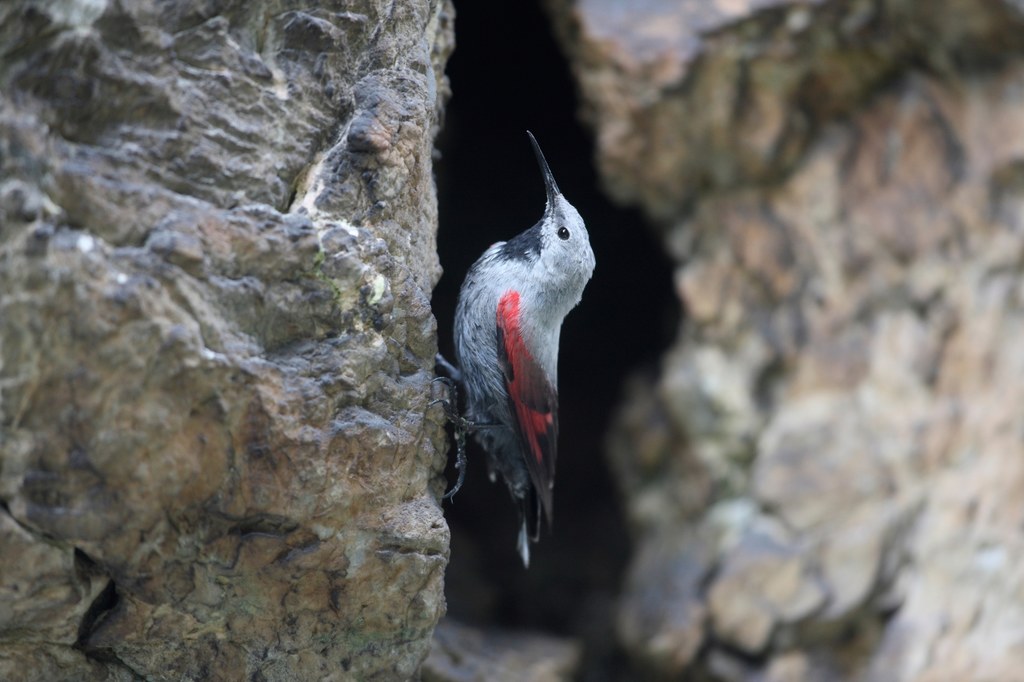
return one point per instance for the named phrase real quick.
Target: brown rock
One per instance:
(648, 453)
(851, 556)
(762, 583)
(662, 618)
(463, 654)
(216, 342)
(818, 459)
(840, 184)
(788, 667)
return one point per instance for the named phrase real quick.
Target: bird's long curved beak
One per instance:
(549, 179)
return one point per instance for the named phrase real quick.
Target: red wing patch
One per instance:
(532, 396)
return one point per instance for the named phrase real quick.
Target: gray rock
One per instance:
(464, 654)
(662, 618)
(216, 253)
(840, 185)
(762, 583)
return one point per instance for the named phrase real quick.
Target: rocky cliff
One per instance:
(217, 250)
(824, 479)
(217, 226)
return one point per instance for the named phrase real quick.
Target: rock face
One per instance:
(827, 476)
(461, 653)
(217, 232)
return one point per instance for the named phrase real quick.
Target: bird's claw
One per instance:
(460, 464)
(449, 404)
(460, 427)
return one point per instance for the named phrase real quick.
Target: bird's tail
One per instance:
(530, 520)
(523, 544)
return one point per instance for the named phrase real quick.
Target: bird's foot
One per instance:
(460, 427)
(450, 405)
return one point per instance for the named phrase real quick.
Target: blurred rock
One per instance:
(662, 617)
(696, 95)
(464, 654)
(762, 583)
(651, 463)
(789, 667)
(841, 184)
(216, 341)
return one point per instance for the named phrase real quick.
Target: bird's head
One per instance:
(565, 259)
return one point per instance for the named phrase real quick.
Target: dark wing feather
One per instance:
(533, 398)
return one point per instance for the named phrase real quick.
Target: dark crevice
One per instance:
(768, 383)
(489, 190)
(264, 524)
(85, 566)
(105, 602)
(290, 203)
(745, 659)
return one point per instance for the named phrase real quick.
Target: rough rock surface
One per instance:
(827, 476)
(464, 654)
(217, 232)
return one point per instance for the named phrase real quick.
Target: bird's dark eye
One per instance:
(563, 233)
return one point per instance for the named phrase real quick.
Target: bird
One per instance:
(508, 322)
